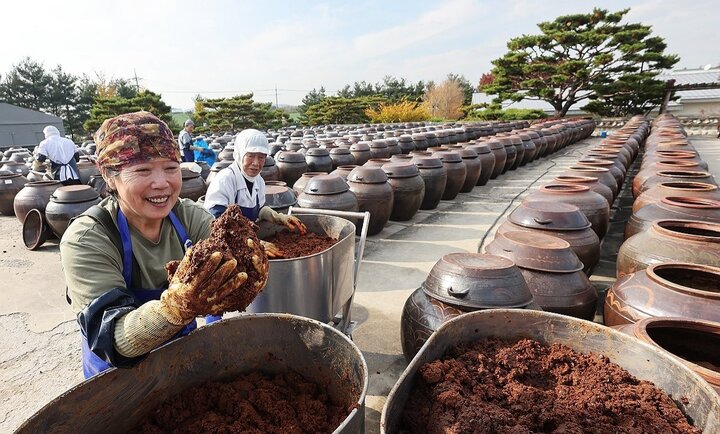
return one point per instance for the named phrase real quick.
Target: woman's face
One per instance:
(148, 191)
(253, 163)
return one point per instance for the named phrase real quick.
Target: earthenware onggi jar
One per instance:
(459, 283)
(291, 165)
(519, 151)
(361, 152)
(473, 165)
(408, 189)
(87, 169)
(553, 272)
(594, 206)
(673, 208)
(500, 154)
(406, 143)
(671, 288)
(670, 241)
(318, 160)
(695, 342)
(10, 186)
(456, 172)
(193, 186)
(487, 162)
(68, 202)
(675, 176)
(328, 192)
(588, 181)
(529, 148)
(304, 179)
(697, 190)
(35, 195)
(270, 171)
(379, 149)
(561, 220)
(434, 175)
(341, 157)
(279, 196)
(15, 167)
(603, 175)
(420, 142)
(374, 194)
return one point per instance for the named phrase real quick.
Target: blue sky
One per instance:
(222, 48)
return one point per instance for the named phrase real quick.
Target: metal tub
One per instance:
(118, 399)
(316, 286)
(640, 359)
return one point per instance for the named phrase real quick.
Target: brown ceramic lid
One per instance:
(317, 152)
(495, 144)
(276, 183)
(360, 146)
(427, 162)
(480, 148)
(536, 251)
(448, 156)
(405, 138)
(34, 230)
(401, 158)
(478, 281)
(400, 170)
(269, 161)
(339, 151)
(290, 157)
(74, 194)
(467, 153)
(326, 184)
(277, 196)
(378, 143)
(367, 175)
(552, 216)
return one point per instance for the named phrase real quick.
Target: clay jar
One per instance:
(673, 208)
(588, 181)
(374, 194)
(674, 289)
(318, 160)
(361, 152)
(279, 196)
(393, 146)
(649, 169)
(456, 172)
(498, 151)
(376, 162)
(291, 165)
(594, 206)
(434, 175)
(10, 186)
(560, 220)
(670, 240)
(696, 343)
(408, 189)
(35, 195)
(304, 179)
(539, 141)
(341, 157)
(344, 171)
(68, 202)
(529, 148)
(473, 166)
(328, 192)
(87, 169)
(270, 171)
(487, 162)
(379, 149)
(519, 150)
(15, 167)
(603, 175)
(669, 154)
(406, 143)
(615, 171)
(553, 273)
(193, 186)
(674, 175)
(697, 190)
(459, 283)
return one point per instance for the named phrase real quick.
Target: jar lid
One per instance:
(400, 170)
(448, 156)
(427, 162)
(535, 251)
(326, 184)
(367, 175)
(74, 194)
(552, 216)
(467, 153)
(480, 148)
(405, 138)
(360, 146)
(317, 152)
(378, 143)
(290, 157)
(340, 151)
(269, 161)
(495, 144)
(478, 281)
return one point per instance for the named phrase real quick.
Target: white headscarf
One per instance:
(249, 140)
(50, 131)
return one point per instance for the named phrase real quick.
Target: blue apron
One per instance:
(252, 215)
(92, 364)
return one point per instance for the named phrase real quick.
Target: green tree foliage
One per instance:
(584, 56)
(479, 112)
(26, 85)
(340, 110)
(235, 114)
(392, 88)
(107, 107)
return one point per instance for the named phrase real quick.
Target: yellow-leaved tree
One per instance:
(403, 111)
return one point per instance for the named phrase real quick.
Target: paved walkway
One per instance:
(39, 355)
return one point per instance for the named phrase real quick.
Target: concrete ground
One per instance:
(39, 339)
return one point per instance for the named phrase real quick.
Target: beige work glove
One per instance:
(291, 222)
(38, 166)
(271, 250)
(189, 295)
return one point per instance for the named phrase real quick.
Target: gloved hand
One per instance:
(271, 250)
(38, 166)
(291, 222)
(189, 296)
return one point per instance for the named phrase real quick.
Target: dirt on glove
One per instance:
(252, 403)
(522, 386)
(229, 235)
(296, 245)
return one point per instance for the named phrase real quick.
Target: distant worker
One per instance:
(185, 142)
(62, 154)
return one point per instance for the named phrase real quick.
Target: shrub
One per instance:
(403, 111)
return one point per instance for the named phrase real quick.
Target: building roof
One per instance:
(694, 76)
(14, 115)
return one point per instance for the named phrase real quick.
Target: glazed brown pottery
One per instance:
(344, 171)
(374, 194)
(669, 289)
(434, 174)
(458, 283)
(473, 167)
(341, 157)
(269, 172)
(673, 208)
(456, 173)
(328, 192)
(594, 206)
(553, 272)
(487, 162)
(35, 195)
(10, 186)
(697, 190)
(649, 169)
(670, 241)
(408, 189)
(695, 342)
(318, 160)
(361, 152)
(279, 196)
(68, 202)
(529, 148)
(519, 151)
(34, 230)
(379, 149)
(291, 165)
(603, 175)
(674, 175)
(193, 186)
(588, 181)
(302, 182)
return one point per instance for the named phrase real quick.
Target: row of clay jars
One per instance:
(696, 190)
(695, 342)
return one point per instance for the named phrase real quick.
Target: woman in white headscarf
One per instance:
(62, 154)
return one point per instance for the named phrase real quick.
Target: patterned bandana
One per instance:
(134, 138)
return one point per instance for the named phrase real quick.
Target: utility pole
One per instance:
(137, 83)
(276, 98)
